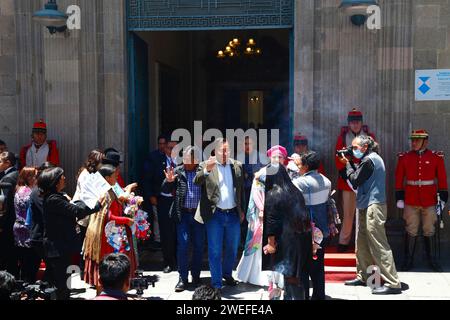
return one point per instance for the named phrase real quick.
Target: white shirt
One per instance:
(36, 157)
(226, 187)
(83, 175)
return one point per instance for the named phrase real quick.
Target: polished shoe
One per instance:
(342, 248)
(167, 269)
(355, 283)
(229, 281)
(181, 285)
(386, 290)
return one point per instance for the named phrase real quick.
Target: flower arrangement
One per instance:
(141, 227)
(116, 237)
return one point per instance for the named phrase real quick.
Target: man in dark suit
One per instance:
(152, 177)
(8, 256)
(167, 223)
(163, 201)
(221, 209)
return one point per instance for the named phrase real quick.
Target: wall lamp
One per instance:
(51, 17)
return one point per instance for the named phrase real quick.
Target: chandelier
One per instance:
(236, 49)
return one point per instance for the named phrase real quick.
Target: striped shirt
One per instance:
(193, 192)
(314, 186)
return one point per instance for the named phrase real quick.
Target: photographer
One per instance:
(7, 284)
(369, 177)
(355, 128)
(114, 272)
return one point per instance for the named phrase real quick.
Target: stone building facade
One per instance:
(78, 81)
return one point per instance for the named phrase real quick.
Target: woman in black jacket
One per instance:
(37, 222)
(59, 216)
(287, 230)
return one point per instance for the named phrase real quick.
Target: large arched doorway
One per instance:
(176, 76)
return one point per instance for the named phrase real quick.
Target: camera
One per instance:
(348, 151)
(141, 282)
(37, 291)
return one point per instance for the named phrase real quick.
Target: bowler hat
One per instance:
(112, 157)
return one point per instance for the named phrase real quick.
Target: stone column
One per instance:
(8, 84)
(304, 67)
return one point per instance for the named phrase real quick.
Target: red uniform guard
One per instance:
(39, 150)
(420, 176)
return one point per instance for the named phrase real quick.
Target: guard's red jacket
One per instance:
(341, 144)
(416, 176)
(53, 154)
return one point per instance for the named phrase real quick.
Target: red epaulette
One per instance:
(439, 153)
(344, 130)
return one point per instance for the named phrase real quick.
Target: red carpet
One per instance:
(339, 267)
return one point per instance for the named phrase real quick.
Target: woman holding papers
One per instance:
(90, 166)
(96, 243)
(59, 216)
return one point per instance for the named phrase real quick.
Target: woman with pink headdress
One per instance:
(249, 269)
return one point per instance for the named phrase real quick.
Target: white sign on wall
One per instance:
(432, 85)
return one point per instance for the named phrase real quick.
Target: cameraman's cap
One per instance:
(355, 115)
(39, 126)
(300, 139)
(419, 134)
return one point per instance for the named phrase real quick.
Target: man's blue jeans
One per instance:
(189, 230)
(222, 228)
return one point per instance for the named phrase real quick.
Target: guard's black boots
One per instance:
(430, 250)
(410, 246)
